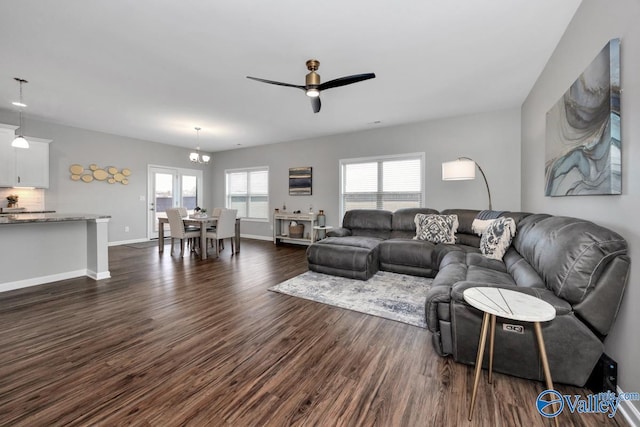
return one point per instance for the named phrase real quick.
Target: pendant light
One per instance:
(20, 141)
(195, 156)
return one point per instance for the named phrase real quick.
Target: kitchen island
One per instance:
(47, 247)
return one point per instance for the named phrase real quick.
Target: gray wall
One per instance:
(595, 23)
(492, 139)
(73, 145)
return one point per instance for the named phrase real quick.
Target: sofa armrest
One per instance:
(562, 307)
(435, 296)
(339, 232)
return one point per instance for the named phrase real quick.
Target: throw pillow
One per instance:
(479, 226)
(497, 238)
(436, 228)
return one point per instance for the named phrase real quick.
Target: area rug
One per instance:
(392, 296)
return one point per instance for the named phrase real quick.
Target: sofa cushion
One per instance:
(497, 238)
(521, 271)
(403, 225)
(436, 228)
(368, 222)
(407, 253)
(570, 254)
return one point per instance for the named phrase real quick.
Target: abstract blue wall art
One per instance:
(300, 181)
(583, 148)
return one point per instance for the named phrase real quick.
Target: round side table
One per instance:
(512, 305)
(319, 228)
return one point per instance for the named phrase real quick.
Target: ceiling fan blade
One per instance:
(315, 104)
(276, 83)
(342, 81)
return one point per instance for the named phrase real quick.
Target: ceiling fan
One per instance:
(313, 87)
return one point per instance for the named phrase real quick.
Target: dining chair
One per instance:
(178, 231)
(215, 214)
(225, 228)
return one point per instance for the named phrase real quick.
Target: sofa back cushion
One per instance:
(402, 223)
(570, 254)
(368, 222)
(464, 235)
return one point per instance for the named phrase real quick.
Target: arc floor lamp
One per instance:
(463, 168)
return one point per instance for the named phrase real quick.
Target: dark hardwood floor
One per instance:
(169, 341)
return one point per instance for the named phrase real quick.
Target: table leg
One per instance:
(492, 337)
(237, 237)
(545, 362)
(203, 241)
(160, 236)
(478, 371)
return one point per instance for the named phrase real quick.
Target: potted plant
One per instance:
(12, 200)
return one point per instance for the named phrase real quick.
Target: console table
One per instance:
(281, 222)
(509, 305)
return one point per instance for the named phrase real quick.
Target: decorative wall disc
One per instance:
(110, 174)
(100, 174)
(76, 169)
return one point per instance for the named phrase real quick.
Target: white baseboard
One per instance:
(19, 284)
(128, 242)
(256, 237)
(99, 276)
(629, 411)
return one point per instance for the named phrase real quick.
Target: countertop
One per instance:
(23, 218)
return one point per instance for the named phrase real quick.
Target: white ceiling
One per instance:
(155, 69)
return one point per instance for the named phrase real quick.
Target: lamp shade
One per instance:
(20, 142)
(458, 170)
(194, 157)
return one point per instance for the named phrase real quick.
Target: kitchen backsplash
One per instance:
(32, 199)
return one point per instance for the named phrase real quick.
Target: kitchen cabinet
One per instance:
(23, 167)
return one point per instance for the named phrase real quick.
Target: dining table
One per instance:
(203, 222)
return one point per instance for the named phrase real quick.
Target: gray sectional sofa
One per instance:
(575, 265)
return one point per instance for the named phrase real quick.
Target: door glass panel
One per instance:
(163, 195)
(189, 192)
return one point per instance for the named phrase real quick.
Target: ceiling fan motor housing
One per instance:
(313, 78)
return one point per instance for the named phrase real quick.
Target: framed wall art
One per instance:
(583, 146)
(300, 181)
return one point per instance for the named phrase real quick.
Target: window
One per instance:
(247, 191)
(389, 183)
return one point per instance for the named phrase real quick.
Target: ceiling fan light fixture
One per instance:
(313, 92)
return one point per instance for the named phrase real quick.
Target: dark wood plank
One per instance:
(169, 341)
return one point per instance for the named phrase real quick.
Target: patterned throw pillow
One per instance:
(497, 238)
(436, 228)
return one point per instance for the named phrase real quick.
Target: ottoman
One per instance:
(355, 257)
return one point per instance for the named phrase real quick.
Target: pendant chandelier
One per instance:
(20, 141)
(195, 156)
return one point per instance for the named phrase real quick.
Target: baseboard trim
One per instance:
(19, 284)
(99, 276)
(629, 411)
(256, 237)
(128, 242)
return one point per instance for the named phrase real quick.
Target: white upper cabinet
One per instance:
(23, 167)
